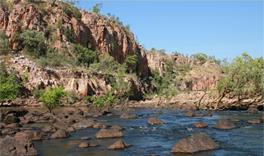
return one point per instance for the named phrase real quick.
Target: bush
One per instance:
(243, 77)
(100, 101)
(200, 57)
(4, 43)
(54, 59)
(34, 43)
(131, 62)
(84, 55)
(10, 87)
(51, 98)
(107, 65)
(70, 34)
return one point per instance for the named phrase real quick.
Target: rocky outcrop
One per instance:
(94, 31)
(75, 81)
(11, 146)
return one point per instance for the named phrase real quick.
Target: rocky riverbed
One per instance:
(136, 131)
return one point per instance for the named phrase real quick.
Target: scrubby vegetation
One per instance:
(243, 77)
(51, 97)
(10, 86)
(71, 11)
(103, 100)
(4, 43)
(34, 43)
(84, 55)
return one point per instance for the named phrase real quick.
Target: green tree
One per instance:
(243, 77)
(131, 63)
(201, 57)
(84, 55)
(10, 87)
(51, 97)
(34, 43)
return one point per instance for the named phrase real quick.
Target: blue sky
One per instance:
(223, 29)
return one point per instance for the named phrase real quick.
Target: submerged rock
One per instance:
(200, 125)
(155, 121)
(86, 145)
(109, 133)
(190, 113)
(254, 121)
(119, 144)
(224, 124)
(128, 116)
(195, 143)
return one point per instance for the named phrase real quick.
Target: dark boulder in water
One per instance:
(195, 143)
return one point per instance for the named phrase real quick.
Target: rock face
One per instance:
(195, 143)
(113, 39)
(11, 146)
(109, 133)
(91, 30)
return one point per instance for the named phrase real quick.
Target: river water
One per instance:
(245, 140)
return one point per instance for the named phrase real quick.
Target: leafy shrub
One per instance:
(54, 59)
(34, 43)
(69, 33)
(243, 76)
(51, 98)
(70, 10)
(84, 55)
(100, 101)
(4, 43)
(10, 87)
(107, 65)
(200, 57)
(131, 62)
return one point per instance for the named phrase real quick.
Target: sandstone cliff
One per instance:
(55, 18)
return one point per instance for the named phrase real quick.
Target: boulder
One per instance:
(190, 113)
(224, 124)
(86, 145)
(59, 134)
(252, 109)
(254, 121)
(109, 133)
(83, 124)
(128, 116)
(155, 121)
(200, 125)
(119, 144)
(195, 143)
(10, 118)
(29, 135)
(117, 127)
(11, 146)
